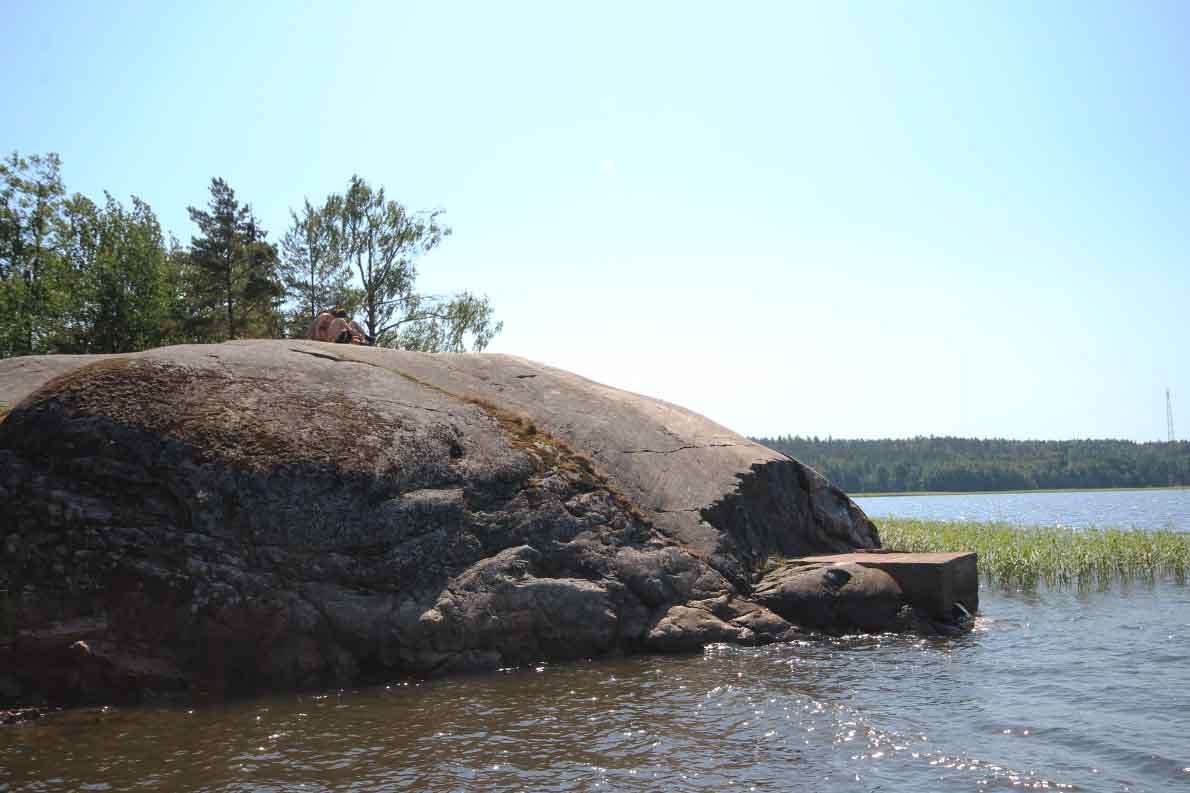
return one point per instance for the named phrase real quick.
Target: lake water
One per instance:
(1052, 690)
(1124, 509)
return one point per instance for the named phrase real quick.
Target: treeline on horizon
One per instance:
(80, 276)
(968, 464)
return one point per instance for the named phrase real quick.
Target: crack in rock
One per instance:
(334, 358)
(679, 449)
(337, 359)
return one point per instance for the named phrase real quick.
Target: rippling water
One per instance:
(1065, 690)
(1124, 509)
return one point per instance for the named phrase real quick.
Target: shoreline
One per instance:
(900, 493)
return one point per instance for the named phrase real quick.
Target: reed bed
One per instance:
(1023, 557)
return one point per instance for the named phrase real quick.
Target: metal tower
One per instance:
(1169, 416)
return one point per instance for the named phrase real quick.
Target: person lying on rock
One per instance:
(357, 332)
(335, 327)
(318, 329)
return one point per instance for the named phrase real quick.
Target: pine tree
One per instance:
(234, 268)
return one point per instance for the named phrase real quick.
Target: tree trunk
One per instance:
(231, 327)
(313, 267)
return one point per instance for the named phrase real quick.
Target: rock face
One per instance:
(219, 520)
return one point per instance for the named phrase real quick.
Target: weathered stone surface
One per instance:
(721, 619)
(224, 519)
(688, 628)
(836, 598)
(930, 582)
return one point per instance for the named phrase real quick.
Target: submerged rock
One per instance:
(216, 520)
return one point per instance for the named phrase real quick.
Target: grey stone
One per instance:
(683, 628)
(275, 514)
(932, 583)
(835, 598)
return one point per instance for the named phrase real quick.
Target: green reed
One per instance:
(1019, 556)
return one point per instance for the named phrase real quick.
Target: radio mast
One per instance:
(1169, 416)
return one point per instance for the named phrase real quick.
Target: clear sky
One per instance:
(865, 220)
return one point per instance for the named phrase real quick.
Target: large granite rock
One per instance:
(215, 520)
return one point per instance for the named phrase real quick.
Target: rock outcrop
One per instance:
(217, 520)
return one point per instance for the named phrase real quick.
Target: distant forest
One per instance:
(966, 464)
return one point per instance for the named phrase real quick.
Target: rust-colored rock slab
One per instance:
(932, 582)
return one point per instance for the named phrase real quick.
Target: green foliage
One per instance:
(33, 284)
(434, 324)
(313, 265)
(966, 464)
(1014, 556)
(234, 268)
(382, 241)
(116, 256)
(78, 277)
(74, 276)
(185, 319)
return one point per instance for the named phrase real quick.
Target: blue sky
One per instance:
(857, 220)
